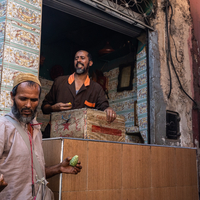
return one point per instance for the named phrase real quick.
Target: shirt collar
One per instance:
(34, 121)
(71, 80)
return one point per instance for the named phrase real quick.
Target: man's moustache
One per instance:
(79, 63)
(26, 109)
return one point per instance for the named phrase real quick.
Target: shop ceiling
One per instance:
(86, 12)
(61, 27)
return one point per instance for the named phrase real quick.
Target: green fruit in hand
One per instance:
(73, 162)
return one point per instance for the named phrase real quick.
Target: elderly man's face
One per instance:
(25, 102)
(81, 62)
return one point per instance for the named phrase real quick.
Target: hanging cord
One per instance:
(168, 4)
(168, 49)
(30, 135)
(170, 32)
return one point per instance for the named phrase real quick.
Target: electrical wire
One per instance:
(170, 32)
(169, 54)
(167, 51)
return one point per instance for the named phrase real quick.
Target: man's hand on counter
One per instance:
(110, 114)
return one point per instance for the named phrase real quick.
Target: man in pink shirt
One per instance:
(18, 178)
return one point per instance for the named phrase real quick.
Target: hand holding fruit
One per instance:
(74, 161)
(73, 168)
(61, 107)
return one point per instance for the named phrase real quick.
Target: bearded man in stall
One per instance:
(76, 91)
(20, 141)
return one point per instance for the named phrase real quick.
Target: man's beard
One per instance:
(20, 117)
(81, 71)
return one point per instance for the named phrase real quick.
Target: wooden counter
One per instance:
(123, 171)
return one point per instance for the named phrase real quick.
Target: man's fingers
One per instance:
(110, 115)
(1, 177)
(68, 158)
(79, 167)
(113, 117)
(76, 170)
(66, 107)
(2, 181)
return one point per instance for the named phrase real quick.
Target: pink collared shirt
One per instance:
(15, 160)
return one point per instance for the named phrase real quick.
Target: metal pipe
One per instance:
(120, 13)
(61, 159)
(148, 91)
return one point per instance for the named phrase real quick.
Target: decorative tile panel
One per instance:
(113, 96)
(21, 58)
(0, 75)
(144, 135)
(141, 79)
(132, 129)
(22, 37)
(3, 5)
(112, 85)
(5, 100)
(36, 3)
(123, 102)
(143, 123)
(129, 117)
(24, 14)
(142, 108)
(20, 24)
(122, 106)
(40, 115)
(141, 65)
(141, 54)
(1, 50)
(112, 74)
(8, 75)
(142, 93)
(2, 29)
(25, 26)
(44, 119)
(46, 84)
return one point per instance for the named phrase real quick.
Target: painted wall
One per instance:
(123, 102)
(181, 32)
(20, 23)
(41, 118)
(195, 13)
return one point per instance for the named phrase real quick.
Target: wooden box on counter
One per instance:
(88, 124)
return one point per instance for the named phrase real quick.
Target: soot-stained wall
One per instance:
(181, 32)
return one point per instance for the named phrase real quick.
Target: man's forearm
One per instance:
(47, 109)
(52, 171)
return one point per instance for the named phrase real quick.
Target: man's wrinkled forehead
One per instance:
(81, 52)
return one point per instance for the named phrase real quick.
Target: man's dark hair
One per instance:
(30, 83)
(89, 55)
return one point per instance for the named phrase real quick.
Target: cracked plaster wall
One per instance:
(159, 74)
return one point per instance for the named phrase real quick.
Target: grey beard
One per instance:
(81, 71)
(21, 118)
